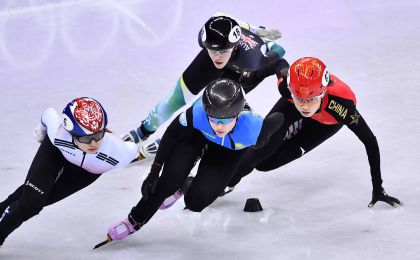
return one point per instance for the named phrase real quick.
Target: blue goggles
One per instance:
(224, 121)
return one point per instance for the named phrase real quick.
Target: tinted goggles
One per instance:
(224, 121)
(222, 52)
(86, 139)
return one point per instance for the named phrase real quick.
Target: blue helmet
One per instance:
(84, 116)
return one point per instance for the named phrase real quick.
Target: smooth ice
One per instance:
(128, 54)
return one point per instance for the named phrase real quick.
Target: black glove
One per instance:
(380, 195)
(151, 181)
(248, 78)
(271, 64)
(226, 191)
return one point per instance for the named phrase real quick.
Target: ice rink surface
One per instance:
(128, 54)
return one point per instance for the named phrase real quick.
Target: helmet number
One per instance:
(203, 34)
(235, 34)
(325, 78)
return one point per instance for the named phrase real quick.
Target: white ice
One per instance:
(128, 54)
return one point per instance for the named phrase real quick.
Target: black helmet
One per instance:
(220, 33)
(223, 98)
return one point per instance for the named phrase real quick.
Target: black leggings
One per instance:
(50, 178)
(215, 170)
(310, 136)
(298, 136)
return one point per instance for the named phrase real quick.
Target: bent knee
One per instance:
(194, 203)
(194, 207)
(264, 168)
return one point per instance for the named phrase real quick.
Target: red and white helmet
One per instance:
(308, 77)
(84, 116)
